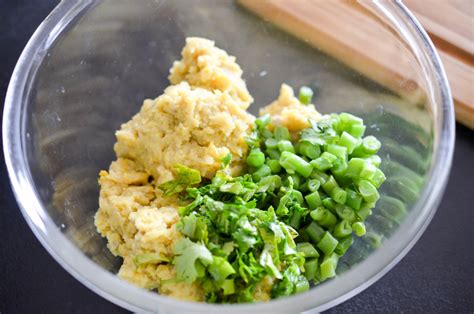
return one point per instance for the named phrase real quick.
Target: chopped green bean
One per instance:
(339, 170)
(313, 200)
(274, 165)
(357, 130)
(342, 229)
(328, 266)
(263, 121)
(354, 167)
(332, 189)
(271, 143)
(343, 245)
(309, 150)
(302, 285)
(293, 180)
(285, 146)
(345, 212)
(261, 172)
(305, 95)
(336, 150)
(307, 249)
(365, 210)
(369, 146)
(321, 163)
(228, 286)
(319, 175)
(353, 199)
(328, 243)
(315, 232)
(310, 268)
(359, 228)
(378, 178)
(348, 141)
(297, 196)
(295, 220)
(324, 162)
(324, 217)
(375, 160)
(329, 203)
(282, 133)
(368, 171)
(294, 163)
(329, 185)
(347, 119)
(273, 153)
(313, 185)
(339, 195)
(368, 191)
(266, 133)
(256, 158)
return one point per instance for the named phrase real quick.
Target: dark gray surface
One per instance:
(436, 276)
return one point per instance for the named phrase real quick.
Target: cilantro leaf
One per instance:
(185, 177)
(188, 254)
(249, 269)
(188, 208)
(266, 260)
(149, 258)
(291, 282)
(225, 161)
(194, 227)
(220, 268)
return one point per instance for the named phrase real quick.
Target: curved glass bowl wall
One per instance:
(88, 68)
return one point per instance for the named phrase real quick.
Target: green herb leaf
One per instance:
(188, 254)
(185, 177)
(225, 161)
(149, 258)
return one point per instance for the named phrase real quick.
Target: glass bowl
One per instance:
(89, 66)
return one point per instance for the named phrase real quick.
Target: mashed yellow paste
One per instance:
(289, 112)
(200, 118)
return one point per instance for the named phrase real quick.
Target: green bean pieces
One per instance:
(305, 95)
(330, 179)
(256, 158)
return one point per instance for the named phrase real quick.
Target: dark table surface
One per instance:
(436, 276)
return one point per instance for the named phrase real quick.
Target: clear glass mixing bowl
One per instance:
(88, 68)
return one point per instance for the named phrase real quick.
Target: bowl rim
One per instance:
(133, 298)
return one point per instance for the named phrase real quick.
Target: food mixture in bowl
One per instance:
(205, 202)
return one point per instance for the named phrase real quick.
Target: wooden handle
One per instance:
(448, 20)
(350, 33)
(451, 27)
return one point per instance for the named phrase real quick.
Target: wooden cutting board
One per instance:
(349, 31)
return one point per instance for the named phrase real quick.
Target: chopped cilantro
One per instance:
(185, 177)
(188, 256)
